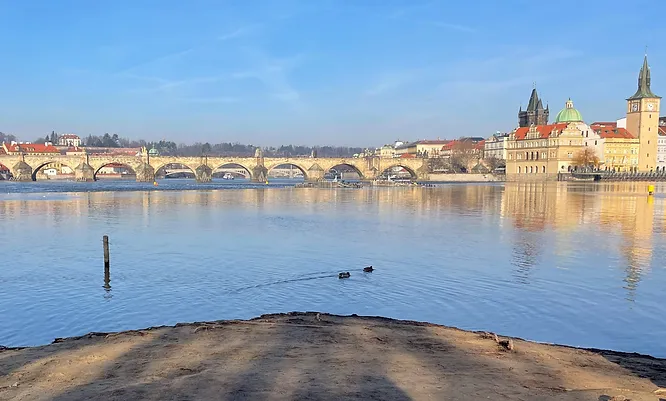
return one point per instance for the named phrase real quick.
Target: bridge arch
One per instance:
(412, 173)
(118, 169)
(5, 172)
(55, 164)
(273, 166)
(348, 166)
(248, 172)
(160, 170)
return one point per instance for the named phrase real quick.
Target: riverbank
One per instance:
(310, 356)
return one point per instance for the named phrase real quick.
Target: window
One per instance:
(543, 169)
(518, 169)
(595, 143)
(530, 169)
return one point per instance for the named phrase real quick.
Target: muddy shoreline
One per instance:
(317, 356)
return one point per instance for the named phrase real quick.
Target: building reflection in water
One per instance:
(568, 211)
(537, 220)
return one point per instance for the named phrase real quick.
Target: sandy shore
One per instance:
(320, 357)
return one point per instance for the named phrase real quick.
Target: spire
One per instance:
(539, 105)
(644, 90)
(534, 100)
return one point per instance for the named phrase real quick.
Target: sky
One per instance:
(316, 72)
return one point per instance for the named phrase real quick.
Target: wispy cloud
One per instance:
(165, 85)
(181, 53)
(210, 99)
(242, 31)
(407, 10)
(455, 27)
(273, 74)
(388, 82)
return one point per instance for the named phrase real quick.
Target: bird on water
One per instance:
(368, 269)
(344, 275)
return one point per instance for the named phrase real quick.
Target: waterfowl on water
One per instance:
(368, 269)
(344, 275)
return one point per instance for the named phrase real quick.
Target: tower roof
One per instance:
(534, 101)
(644, 90)
(568, 114)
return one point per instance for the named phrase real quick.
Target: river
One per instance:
(577, 264)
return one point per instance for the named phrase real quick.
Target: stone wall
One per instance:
(465, 178)
(531, 177)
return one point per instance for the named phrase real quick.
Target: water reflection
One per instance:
(543, 261)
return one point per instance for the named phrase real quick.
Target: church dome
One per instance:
(568, 114)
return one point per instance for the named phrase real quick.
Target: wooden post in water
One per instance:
(105, 240)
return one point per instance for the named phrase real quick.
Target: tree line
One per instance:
(228, 149)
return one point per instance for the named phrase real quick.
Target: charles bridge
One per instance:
(24, 167)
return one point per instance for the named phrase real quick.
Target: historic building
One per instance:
(537, 150)
(643, 119)
(661, 150)
(69, 140)
(541, 152)
(495, 146)
(620, 148)
(535, 113)
(424, 148)
(29, 148)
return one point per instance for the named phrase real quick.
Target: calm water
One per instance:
(573, 264)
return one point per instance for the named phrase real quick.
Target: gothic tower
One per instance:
(643, 119)
(535, 113)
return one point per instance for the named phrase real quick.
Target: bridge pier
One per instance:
(259, 174)
(315, 173)
(84, 172)
(145, 173)
(22, 172)
(203, 173)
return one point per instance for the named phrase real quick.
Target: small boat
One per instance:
(228, 176)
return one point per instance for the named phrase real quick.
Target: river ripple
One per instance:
(573, 264)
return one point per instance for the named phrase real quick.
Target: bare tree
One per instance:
(493, 163)
(586, 158)
(463, 153)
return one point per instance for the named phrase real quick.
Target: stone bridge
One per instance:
(24, 167)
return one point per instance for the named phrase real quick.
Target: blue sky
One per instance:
(343, 72)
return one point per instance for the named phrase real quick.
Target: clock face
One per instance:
(650, 106)
(634, 107)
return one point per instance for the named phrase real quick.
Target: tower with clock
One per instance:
(643, 119)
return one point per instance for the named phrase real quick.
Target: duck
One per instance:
(344, 275)
(368, 269)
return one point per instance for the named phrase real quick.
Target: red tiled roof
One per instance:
(31, 148)
(407, 156)
(662, 131)
(451, 144)
(544, 130)
(432, 142)
(615, 133)
(480, 144)
(604, 124)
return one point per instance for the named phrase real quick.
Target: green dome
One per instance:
(568, 114)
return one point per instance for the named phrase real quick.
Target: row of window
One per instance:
(531, 169)
(634, 151)
(612, 161)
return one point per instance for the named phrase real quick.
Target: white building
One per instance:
(495, 146)
(69, 140)
(661, 150)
